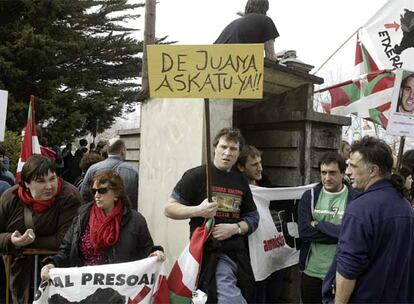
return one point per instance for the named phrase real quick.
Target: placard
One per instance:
(402, 107)
(206, 71)
(3, 113)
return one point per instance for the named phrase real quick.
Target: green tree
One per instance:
(11, 144)
(78, 59)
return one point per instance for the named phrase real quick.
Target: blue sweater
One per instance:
(376, 247)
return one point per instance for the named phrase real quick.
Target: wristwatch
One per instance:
(240, 231)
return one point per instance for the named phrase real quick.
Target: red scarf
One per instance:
(38, 206)
(105, 228)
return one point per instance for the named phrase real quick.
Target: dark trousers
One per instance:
(269, 290)
(21, 275)
(311, 289)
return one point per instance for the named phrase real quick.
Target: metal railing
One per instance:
(27, 251)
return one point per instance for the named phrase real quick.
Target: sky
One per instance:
(314, 28)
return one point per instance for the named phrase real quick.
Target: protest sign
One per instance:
(389, 35)
(268, 248)
(132, 282)
(401, 121)
(3, 113)
(206, 71)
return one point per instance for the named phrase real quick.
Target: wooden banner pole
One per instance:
(400, 153)
(208, 147)
(149, 38)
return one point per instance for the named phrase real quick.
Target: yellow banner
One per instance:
(206, 71)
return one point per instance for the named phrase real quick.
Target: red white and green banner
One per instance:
(183, 279)
(363, 61)
(368, 95)
(389, 35)
(30, 144)
(136, 282)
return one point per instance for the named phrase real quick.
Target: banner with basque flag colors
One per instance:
(30, 144)
(135, 282)
(368, 95)
(183, 279)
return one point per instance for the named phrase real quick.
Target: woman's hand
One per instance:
(19, 240)
(44, 273)
(159, 254)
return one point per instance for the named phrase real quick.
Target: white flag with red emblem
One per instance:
(389, 35)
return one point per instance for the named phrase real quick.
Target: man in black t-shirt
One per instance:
(253, 27)
(235, 217)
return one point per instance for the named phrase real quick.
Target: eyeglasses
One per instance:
(99, 190)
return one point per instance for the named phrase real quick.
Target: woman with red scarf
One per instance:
(105, 231)
(34, 214)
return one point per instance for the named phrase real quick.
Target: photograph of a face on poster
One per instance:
(405, 102)
(402, 108)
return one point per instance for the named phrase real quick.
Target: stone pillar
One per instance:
(172, 132)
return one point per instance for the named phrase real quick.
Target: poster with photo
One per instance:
(401, 120)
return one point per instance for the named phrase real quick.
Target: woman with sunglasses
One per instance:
(105, 231)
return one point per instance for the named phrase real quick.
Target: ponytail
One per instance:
(398, 182)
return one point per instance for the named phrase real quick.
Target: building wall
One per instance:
(172, 132)
(132, 139)
(291, 135)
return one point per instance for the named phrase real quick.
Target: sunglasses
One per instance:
(99, 190)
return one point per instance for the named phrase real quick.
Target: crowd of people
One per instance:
(354, 231)
(46, 211)
(357, 233)
(356, 225)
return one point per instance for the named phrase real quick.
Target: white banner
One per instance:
(129, 283)
(268, 249)
(389, 35)
(3, 113)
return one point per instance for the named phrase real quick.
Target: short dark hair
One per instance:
(114, 181)
(256, 6)
(83, 142)
(375, 151)
(403, 83)
(116, 147)
(35, 167)
(405, 172)
(408, 159)
(333, 158)
(232, 134)
(248, 150)
(102, 148)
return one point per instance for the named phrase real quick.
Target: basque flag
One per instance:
(30, 144)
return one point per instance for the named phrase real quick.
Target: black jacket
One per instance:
(325, 232)
(134, 242)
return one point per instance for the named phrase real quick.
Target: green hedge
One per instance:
(12, 144)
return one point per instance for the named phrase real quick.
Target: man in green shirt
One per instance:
(320, 214)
